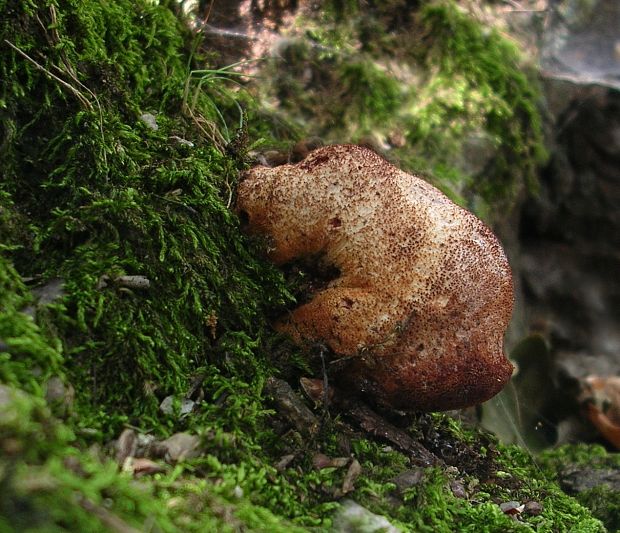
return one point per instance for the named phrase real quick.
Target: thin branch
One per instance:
(76, 93)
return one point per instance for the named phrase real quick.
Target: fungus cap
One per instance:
(424, 292)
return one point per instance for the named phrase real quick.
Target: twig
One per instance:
(70, 71)
(208, 13)
(377, 426)
(77, 93)
(108, 519)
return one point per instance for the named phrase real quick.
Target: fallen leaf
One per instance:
(315, 390)
(180, 446)
(320, 461)
(284, 462)
(126, 446)
(140, 466)
(600, 399)
(354, 471)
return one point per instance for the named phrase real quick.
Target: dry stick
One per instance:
(107, 518)
(84, 101)
(377, 426)
(208, 13)
(74, 78)
(77, 93)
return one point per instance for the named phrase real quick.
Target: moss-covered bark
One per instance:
(92, 192)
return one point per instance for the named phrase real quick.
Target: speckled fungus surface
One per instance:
(424, 292)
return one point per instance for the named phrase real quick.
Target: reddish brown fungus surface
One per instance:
(424, 294)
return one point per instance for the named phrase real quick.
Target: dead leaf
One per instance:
(126, 446)
(180, 446)
(354, 471)
(600, 398)
(315, 390)
(284, 462)
(141, 466)
(320, 461)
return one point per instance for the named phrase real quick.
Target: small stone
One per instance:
(45, 294)
(149, 120)
(133, 282)
(181, 446)
(533, 508)
(353, 518)
(167, 406)
(126, 446)
(458, 489)
(407, 479)
(59, 397)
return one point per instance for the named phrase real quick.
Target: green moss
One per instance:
(603, 501)
(538, 483)
(580, 454)
(476, 84)
(604, 504)
(369, 95)
(28, 357)
(456, 91)
(123, 199)
(48, 485)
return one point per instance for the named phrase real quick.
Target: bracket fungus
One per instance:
(423, 294)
